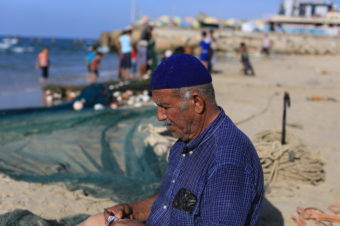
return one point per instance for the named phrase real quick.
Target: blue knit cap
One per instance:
(180, 70)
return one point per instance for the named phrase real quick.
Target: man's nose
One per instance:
(161, 114)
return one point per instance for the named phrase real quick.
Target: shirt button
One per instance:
(183, 155)
(165, 206)
(173, 181)
(190, 152)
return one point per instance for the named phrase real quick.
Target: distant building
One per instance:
(313, 17)
(305, 8)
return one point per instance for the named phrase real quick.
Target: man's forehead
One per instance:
(160, 94)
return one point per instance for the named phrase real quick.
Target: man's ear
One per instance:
(199, 103)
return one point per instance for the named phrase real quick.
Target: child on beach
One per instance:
(90, 56)
(95, 64)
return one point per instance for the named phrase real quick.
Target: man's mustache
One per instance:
(167, 122)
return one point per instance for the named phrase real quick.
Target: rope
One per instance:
(317, 215)
(293, 161)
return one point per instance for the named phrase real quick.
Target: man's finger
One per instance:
(114, 211)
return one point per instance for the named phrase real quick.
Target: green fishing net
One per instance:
(102, 152)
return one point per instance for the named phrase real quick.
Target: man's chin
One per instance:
(172, 131)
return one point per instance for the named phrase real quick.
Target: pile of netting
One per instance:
(293, 161)
(100, 152)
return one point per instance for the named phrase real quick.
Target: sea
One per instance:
(20, 83)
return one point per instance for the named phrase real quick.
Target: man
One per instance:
(204, 49)
(247, 67)
(43, 63)
(124, 50)
(211, 53)
(266, 45)
(214, 176)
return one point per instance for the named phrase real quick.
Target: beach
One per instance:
(255, 104)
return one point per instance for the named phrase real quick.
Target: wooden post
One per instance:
(286, 102)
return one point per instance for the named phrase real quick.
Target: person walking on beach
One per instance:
(152, 59)
(147, 56)
(124, 50)
(266, 45)
(211, 53)
(134, 65)
(214, 175)
(247, 67)
(43, 63)
(142, 57)
(204, 49)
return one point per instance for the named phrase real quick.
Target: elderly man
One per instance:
(214, 176)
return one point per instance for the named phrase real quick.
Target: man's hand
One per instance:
(121, 211)
(131, 213)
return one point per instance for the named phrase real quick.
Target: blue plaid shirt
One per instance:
(221, 170)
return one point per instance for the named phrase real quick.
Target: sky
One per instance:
(88, 18)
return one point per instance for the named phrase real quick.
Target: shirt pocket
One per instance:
(186, 206)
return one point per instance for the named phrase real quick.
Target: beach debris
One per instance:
(48, 98)
(113, 105)
(322, 71)
(293, 161)
(78, 105)
(132, 93)
(127, 94)
(71, 94)
(320, 217)
(98, 107)
(321, 98)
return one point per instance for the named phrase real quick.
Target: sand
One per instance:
(255, 103)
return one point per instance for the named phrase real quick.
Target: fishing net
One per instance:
(291, 162)
(21, 217)
(100, 152)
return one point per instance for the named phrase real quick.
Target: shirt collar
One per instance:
(187, 147)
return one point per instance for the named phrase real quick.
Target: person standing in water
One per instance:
(90, 56)
(43, 63)
(95, 64)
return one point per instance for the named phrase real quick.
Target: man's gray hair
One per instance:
(206, 90)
